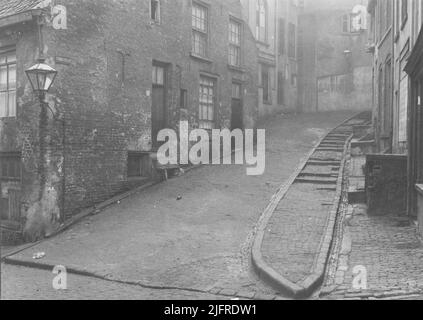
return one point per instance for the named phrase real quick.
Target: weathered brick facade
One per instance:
(101, 101)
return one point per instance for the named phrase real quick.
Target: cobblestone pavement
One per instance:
(298, 230)
(379, 257)
(374, 257)
(295, 231)
(20, 283)
(202, 241)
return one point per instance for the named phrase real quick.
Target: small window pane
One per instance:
(12, 76)
(11, 57)
(3, 78)
(3, 104)
(12, 104)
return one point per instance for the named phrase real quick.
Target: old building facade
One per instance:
(275, 26)
(125, 71)
(335, 70)
(382, 35)
(397, 112)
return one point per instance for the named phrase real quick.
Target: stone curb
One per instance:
(312, 282)
(265, 271)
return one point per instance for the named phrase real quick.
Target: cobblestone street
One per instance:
(203, 240)
(34, 284)
(374, 257)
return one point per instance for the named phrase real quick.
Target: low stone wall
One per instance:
(386, 184)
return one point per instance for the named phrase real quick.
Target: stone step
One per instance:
(356, 196)
(313, 162)
(314, 174)
(317, 180)
(330, 149)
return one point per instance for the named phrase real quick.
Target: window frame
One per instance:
(292, 40)
(203, 34)
(259, 5)
(6, 157)
(158, 17)
(211, 124)
(268, 84)
(282, 36)
(4, 52)
(233, 45)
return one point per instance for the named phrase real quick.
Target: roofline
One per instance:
(19, 17)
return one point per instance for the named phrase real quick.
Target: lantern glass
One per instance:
(41, 76)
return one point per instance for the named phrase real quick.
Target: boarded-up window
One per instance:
(10, 166)
(138, 165)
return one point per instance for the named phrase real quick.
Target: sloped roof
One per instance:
(12, 7)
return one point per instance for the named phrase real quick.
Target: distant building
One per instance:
(127, 69)
(275, 27)
(335, 70)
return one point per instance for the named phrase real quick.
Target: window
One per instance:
(155, 10)
(281, 36)
(292, 44)
(158, 75)
(199, 29)
(293, 80)
(261, 20)
(281, 93)
(138, 165)
(10, 166)
(183, 99)
(236, 90)
(207, 103)
(8, 84)
(265, 81)
(234, 43)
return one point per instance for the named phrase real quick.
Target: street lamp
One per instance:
(41, 76)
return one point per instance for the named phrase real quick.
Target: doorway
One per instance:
(159, 111)
(237, 118)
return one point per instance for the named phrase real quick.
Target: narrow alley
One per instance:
(195, 247)
(231, 150)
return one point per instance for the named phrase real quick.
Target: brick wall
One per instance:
(102, 106)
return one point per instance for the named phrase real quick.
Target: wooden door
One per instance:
(237, 119)
(159, 110)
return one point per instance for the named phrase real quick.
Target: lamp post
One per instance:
(41, 76)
